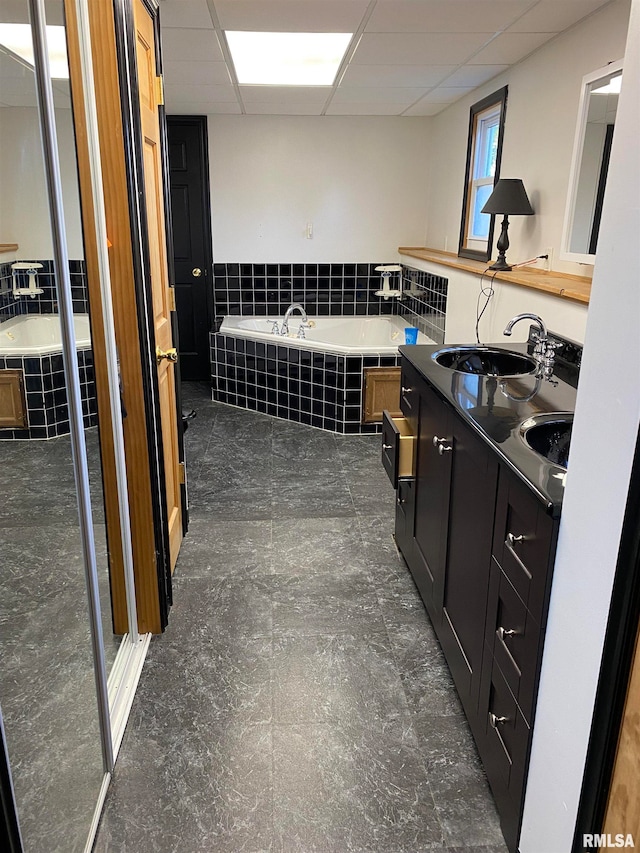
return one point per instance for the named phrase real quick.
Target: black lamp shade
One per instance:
(509, 196)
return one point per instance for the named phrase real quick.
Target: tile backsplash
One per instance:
(42, 303)
(329, 290)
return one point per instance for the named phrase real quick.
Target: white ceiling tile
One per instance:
(210, 73)
(197, 92)
(285, 94)
(424, 109)
(202, 108)
(444, 16)
(416, 48)
(193, 14)
(553, 16)
(510, 48)
(396, 75)
(377, 95)
(474, 75)
(310, 16)
(277, 108)
(447, 94)
(179, 45)
(364, 109)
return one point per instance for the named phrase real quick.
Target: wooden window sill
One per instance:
(573, 287)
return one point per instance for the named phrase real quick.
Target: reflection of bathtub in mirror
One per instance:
(40, 334)
(32, 343)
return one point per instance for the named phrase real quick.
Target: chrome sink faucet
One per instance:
(544, 349)
(295, 306)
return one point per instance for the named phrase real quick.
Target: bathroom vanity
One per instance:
(477, 514)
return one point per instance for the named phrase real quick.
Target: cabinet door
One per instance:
(474, 476)
(381, 393)
(433, 472)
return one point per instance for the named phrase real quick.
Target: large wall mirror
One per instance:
(590, 163)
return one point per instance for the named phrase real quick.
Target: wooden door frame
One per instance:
(116, 91)
(202, 126)
(615, 670)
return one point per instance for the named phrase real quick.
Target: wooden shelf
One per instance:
(573, 287)
(8, 247)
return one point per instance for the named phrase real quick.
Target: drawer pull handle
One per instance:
(513, 540)
(387, 446)
(399, 501)
(496, 721)
(505, 632)
(406, 390)
(441, 444)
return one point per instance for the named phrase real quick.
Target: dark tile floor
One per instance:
(299, 700)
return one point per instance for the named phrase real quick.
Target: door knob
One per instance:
(170, 355)
(196, 272)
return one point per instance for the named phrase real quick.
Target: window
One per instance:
(484, 148)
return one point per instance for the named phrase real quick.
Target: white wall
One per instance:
(568, 319)
(361, 182)
(602, 448)
(24, 211)
(542, 108)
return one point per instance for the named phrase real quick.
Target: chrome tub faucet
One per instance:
(295, 306)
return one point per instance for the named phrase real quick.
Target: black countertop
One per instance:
(487, 404)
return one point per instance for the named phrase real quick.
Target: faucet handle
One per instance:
(275, 329)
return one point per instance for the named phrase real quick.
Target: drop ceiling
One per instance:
(406, 57)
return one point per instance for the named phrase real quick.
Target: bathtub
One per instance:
(39, 334)
(318, 380)
(32, 343)
(346, 335)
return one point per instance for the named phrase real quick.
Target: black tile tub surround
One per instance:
(42, 303)
(46, 394)
(323, 390)
(323, 289)
(424, 302)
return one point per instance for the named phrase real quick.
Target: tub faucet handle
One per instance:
(275, 329)
(301, 328)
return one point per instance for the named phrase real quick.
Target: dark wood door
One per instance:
(190, 209)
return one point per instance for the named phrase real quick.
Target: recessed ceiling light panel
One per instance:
(17, 39)
(287, 59)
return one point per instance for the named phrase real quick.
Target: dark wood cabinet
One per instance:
(474, 476)
(433, 480)
(480, 545)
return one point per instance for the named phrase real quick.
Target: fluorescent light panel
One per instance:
(17, 39)
(287, 59)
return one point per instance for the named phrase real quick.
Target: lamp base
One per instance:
(501, 265)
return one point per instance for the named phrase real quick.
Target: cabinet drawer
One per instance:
(504, 750)
(398, 448)
(513, 636)
(405, 515)
(523, 542)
